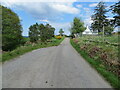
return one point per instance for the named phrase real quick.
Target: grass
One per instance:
(24, 49)
(111, 39)
(109, 76)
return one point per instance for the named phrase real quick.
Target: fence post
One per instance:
(103, 33)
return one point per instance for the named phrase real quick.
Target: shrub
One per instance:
(58, 37)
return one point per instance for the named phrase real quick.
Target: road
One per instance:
(53, 67)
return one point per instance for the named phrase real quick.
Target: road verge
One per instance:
(24, 49)
(109, 76)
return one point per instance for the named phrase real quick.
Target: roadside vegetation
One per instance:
(11, 30)
(14, 44)
(29, 47)
(103, 57)
(101, 50)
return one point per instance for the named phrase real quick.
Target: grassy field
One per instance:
(103, 57)
(27, 48)
(111, 39)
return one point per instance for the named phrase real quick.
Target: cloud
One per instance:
(44, 10)
(87, 9)
(44, 21)
(65, 26)
(93, 5)
(88, 21)
(110, 18)
(78, 6)
(88, 12)
(65, 8)
(13, 1)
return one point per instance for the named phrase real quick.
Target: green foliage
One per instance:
(98, 65)
(33, 33)
(61, 32)
(11, 30)
(49, 33)
(46, 32)
(27, 48)
(116, 10)
(77, 26)
(41, 32)
(108, 30)
(100, 19)
(72, 35)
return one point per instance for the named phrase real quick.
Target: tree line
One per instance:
(12, 31)
(100, 20)
(41, 32)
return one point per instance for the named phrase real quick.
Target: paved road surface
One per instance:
(54, 67)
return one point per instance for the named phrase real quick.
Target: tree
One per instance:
(108, 30)
(99, 17)
(50, 31)
(41, 32)
(116, 10)
(100, 20)
(33, 32)
(77, 26)
(11, 29)
(61, 32)
(46, 32)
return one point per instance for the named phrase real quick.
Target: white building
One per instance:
(87, 31)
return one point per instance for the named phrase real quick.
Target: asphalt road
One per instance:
(53, 67)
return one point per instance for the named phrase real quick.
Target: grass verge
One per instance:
(24, 49)
(109, 76)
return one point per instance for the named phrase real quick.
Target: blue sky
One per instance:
(58, 14)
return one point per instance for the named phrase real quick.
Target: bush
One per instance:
(58, 37)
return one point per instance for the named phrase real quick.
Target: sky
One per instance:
(58, 13)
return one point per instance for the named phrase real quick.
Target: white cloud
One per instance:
(88, 12)
(65, 26)
(45, 20)
(65, 8)
(110, 18)
(13, 1)
(44, 10)
(93, 5)
(86, 9)
(78, 6)
(88, 21)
